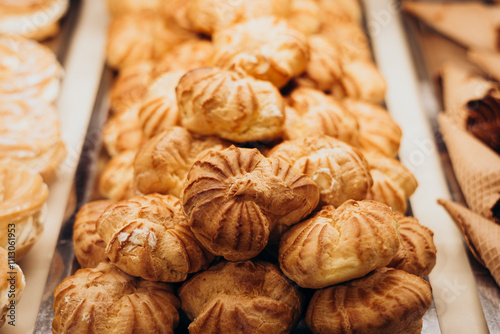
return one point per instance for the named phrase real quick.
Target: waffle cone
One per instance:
(461, 85)
(480, 30)
(487, 60)
(476, 167)
(481, 234)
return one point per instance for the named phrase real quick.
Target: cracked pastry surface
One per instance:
(314, 113)
(23, 196)
(162, 163)
(116, 181)
(230, 105)
(236, 199)
(267, 48)
(28, 70)
(106, 300)
(356, 306)
(87, 244)
(337, 245)
(30, 135)
(241, 297)
(340, 170)
(417, 252)
(148, 236)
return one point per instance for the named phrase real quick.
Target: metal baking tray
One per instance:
(455, 309)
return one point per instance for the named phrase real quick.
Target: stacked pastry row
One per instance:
(240, 130)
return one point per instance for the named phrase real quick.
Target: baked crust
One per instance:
(241, 297)
(384, 301)
(148, 236)
(267, 48)
(337, 245)
(230, 105)
(340, 170)
(116, 181)
(87, 244)
(235, 199)
(162, 163)
(106, 300)
(314, 113)
(417, 252)
(123, 132)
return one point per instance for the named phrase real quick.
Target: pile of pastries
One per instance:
(31, 148)
(251, 165)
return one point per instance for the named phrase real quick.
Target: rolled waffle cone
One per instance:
(482, 236)
(476, 167)
(487, 60)
(460, 86)
(472, 24)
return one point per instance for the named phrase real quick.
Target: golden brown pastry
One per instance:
(119, 7)
(106, 300)
(340, 171)
(27, 70)
(344, 10)
(23, 197)
(12, 284)
(304, 15)
(393, 183)
(384, 301)
(313, 113)
(87, 244)
(235, 198)
(362, 80)
(116, 181)
(158, 109)
(324, 69)
(349, 36)
(208, 16)
(187, 56)
(162, 163)
(148, 236)
(377, 130)
(337, 245)
(417, 252)
(34, 19)
(30, 135)
(123, 132)
(139, 36)
(266, 48)
(230, 105)
(130, 86)
(241, 297)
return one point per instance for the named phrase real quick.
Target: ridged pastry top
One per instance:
(148, 236)
(267, 48)
(106, 300)
(116, 181)
(131, 85)
(315, 113)
(483, 119)
(87, 244)
(7, 271)
(30, 135)
(139, 36)
(340, 171)
(162, 163)
(393, 183)
(377, 130)
(384, 301)
(207, 16)
(158, 109)
(337, 245)
(230, 105)
(27, 70)
(187, 56)
(349, 36)
(22, 192)
(241, 297)
(362, 80)
(235, 198)
(123, 132)
(417, 252)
